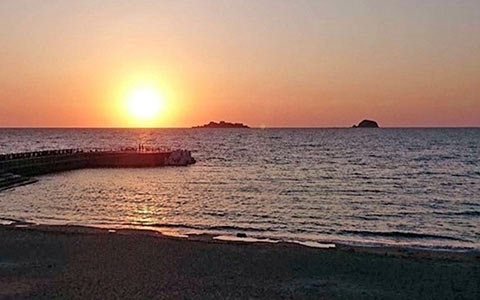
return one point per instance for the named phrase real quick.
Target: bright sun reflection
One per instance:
(145, 103)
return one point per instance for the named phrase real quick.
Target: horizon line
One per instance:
(253, 127)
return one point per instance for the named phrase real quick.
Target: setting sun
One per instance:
(144, 144)
(145, 103)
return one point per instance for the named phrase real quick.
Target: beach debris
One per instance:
(241, 235)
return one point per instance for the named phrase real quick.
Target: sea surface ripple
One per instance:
(409, 187)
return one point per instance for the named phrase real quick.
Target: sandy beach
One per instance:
(66, 262)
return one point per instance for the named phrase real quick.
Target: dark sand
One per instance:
(82, 263)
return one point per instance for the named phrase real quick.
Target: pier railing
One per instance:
(71, 151)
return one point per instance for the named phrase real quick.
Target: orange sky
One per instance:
(264, 63)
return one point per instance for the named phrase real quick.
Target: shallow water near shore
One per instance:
(406, 187)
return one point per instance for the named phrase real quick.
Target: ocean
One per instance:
(417, 188)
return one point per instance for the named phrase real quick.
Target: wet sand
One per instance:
(62, 262)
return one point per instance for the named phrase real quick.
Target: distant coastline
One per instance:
(222, 124)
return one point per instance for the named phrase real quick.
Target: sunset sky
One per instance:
(264, 63)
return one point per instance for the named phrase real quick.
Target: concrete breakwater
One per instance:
(18, 167)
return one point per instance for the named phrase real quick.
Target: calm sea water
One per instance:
(414, 187)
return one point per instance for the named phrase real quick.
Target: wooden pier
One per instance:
(17, 168)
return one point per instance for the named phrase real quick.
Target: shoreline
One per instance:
(389, 250)
(229, 236)
(76, 262)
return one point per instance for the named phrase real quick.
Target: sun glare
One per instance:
(145, 104)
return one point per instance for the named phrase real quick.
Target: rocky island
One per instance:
(222, 124)
(366, 124)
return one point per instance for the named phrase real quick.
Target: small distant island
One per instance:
(366, 124)
(222, 124)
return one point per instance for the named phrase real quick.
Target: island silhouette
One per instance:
(366, 124)
(222, 124)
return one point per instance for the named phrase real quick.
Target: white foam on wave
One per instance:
(174, 234)
(163, 231)
(314, 244)
(231, 238)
